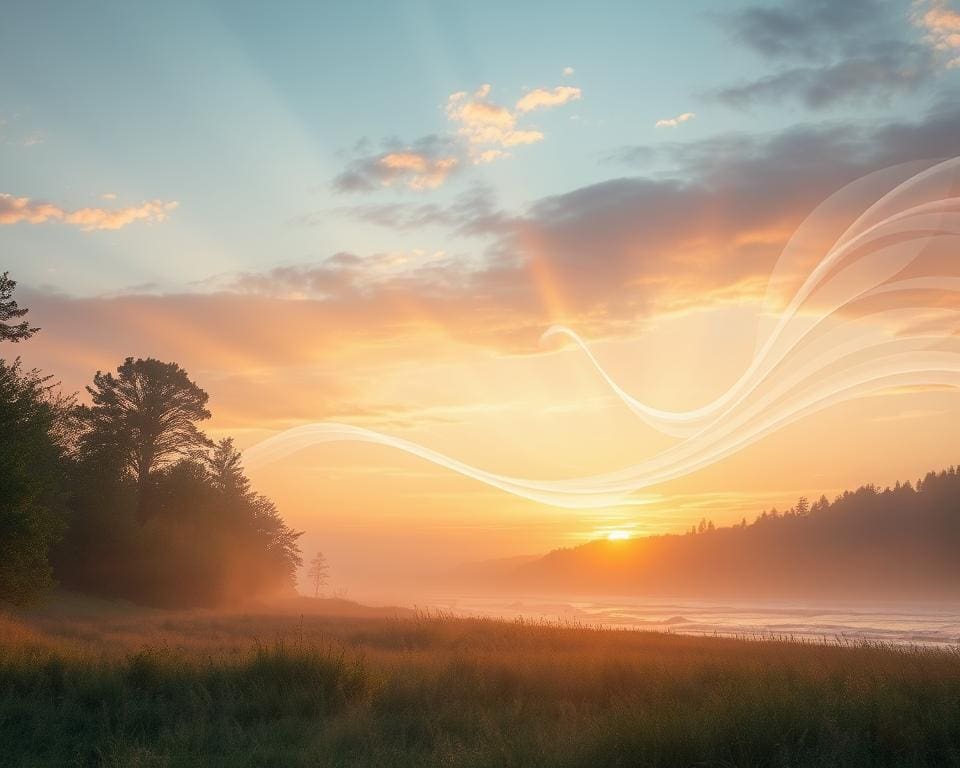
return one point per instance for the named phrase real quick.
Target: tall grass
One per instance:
(155, 689)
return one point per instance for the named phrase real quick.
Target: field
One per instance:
(83, 683)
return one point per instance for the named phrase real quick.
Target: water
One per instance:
(901, 622)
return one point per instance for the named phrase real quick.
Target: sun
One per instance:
(618, 535)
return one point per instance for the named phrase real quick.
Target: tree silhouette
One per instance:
(31, 482)
(318, 572)
(10, 311)
(226, 472)
(145, 416)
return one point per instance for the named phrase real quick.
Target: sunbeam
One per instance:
(849, 331)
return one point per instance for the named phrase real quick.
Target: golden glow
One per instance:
(618, 535)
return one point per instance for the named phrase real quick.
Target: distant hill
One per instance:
(901, 542)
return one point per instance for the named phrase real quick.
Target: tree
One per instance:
(318, 573)
(145, 417)
(226, 472)
(31, 482)
(10, 311)
(271, 553)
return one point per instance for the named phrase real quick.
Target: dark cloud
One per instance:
(831, 151)
(829, 52)
(894, 69)
(632, 244)
(712, 226)
(811, 29)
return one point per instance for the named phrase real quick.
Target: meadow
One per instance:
(85, 683)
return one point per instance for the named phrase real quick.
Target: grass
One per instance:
(126, 687)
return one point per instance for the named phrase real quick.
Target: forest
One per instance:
(890, 543)
(126, 497)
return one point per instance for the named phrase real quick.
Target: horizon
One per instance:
(371, 215)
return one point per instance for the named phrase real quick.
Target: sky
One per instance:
(370, 212)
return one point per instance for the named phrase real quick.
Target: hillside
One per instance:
(899, 542)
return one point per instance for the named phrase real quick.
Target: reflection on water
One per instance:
(876, 621)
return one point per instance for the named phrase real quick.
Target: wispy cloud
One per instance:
(897, 68)
(15, 131)
(831, 53)
(14, 210)
(673, 122)
(419, 171)
(425, 164)
(543, 98)
(805, 29)
(568, 71)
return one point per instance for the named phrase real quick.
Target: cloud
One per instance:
(543, 98)
(426, 164)
(485, 131)
(14, 210)
(605, 258)
(473, 212)
(942, 25)
(830, 53)
(568, 71)
(419, 171)
(606, 255)
(673, 122)
(810, 29)
(897, 68)
(489, 156)
(480, 121)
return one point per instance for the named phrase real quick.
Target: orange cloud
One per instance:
(14, 210)
(484, 130)
(488, 156)
(541, 97)
(673, 122)
(482, 122)
(425, 164)
(416, 170)
(942, 24)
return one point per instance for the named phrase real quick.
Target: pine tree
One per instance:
(10, 311)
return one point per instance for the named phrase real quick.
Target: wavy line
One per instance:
(860, 323)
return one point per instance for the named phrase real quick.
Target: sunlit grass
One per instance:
(126, 687)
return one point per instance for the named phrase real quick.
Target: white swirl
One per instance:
(878, 311)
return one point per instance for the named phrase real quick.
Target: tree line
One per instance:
(125, 496)
(895, 542)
